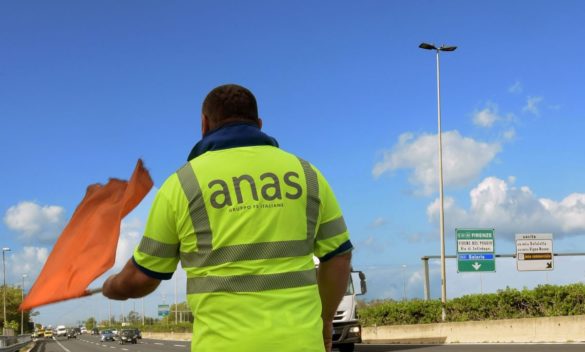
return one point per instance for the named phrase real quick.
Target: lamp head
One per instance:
(447, 48)
(427, 46)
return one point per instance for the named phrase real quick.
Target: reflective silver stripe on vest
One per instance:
(313, 201)
(208, 256)
(197, 209)
(251, 283)
(250, 251)
(331, 228)
(158, 249)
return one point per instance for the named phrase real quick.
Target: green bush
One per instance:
(180, 327)
(509, 303)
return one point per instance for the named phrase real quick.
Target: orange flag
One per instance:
(87, 246)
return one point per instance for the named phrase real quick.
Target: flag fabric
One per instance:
(87, 246)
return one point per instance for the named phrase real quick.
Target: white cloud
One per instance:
(463, 159)
(569, 212)
(497, 204)
(509, 134)
(29, 261)
(130, 235)
(35, 222)
(515, 88)
(378, 222)
(532, 105)
(486, 117)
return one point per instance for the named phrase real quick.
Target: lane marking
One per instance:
(159, 343)
(63, 347)
(180, 345)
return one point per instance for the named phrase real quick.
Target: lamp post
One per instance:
(404, 282)
(427, 46)
(22, 311)
(4, 250)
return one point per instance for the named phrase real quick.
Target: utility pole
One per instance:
(22, 312)
(427, 46)
(4, 250)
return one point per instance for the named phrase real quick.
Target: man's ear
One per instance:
(204, 124)
(260, 123)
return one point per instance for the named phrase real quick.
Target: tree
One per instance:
(90, 323)
(184, 313)
(13, 300)
(133, 317)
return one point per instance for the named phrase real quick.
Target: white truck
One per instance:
(347, 330)
(61, 331)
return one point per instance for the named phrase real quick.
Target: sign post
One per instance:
(475, 250)
(534, 252)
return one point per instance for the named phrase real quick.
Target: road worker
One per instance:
(245, 219)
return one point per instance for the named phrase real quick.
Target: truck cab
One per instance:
(347, 330)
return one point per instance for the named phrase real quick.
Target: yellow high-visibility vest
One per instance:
(245, 223)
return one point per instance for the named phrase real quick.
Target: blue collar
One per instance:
(231, 136)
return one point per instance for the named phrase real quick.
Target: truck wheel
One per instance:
(348, 347)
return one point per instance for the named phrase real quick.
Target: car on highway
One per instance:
(106, 335)
(49, 333)
(61, 331)
(83, 330)
(71, 334)
(138, 333)
(128, 336)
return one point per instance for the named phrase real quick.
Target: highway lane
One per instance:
(87, 343)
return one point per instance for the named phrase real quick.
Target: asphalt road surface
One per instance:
(88, 343)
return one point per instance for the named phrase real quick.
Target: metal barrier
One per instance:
(13, 343)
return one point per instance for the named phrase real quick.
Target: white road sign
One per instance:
(534, 252)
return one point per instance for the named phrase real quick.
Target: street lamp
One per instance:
(428, 46)
(404, 282)
(4, 249)
(22, 311)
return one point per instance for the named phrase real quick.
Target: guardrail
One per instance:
(13, 343)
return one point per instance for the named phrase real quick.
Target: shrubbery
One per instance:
(179, 327)
(542, 301)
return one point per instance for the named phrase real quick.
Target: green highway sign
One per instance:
(475, 250)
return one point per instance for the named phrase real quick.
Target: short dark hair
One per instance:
(230, 102)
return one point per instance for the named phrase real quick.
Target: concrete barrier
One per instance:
(529, 330)
(174, 336)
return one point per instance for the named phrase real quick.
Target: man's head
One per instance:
(226, 104)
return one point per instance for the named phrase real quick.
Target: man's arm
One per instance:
(332, 279)
(129, 283)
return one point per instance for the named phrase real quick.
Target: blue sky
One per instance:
(87, 88)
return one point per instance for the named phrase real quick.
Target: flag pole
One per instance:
(93, 291)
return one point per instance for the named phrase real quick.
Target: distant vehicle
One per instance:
(61, 331)
(106, 335)
(138, 333)
(128, 335)
(48, 333)
(115, 332)
(71, 334)
(83, 330)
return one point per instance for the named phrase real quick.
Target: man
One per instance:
(245, 219)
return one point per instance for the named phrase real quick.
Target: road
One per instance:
(87, 343)
(473, 348)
